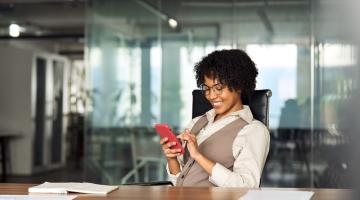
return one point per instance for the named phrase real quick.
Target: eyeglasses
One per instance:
(217, 89)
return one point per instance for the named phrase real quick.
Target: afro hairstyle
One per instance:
(233, 68)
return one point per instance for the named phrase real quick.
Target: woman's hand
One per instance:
(191, 144)
(167, 150)
(171, 154)
(193, 149)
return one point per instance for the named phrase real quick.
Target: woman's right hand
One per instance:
(168, 151)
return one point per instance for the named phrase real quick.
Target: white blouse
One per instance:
(250, 149)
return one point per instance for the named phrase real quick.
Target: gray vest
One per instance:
(218, 148)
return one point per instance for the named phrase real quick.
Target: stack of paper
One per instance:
(72, 187)
(37, 197)
(277, 195)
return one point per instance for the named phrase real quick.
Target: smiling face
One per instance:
(221, 98)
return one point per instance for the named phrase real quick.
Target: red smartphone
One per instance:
(164, 131)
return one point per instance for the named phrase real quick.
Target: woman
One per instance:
(226, 147)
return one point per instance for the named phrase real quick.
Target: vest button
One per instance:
(182, 176)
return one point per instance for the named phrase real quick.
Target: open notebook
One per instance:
(89, 188)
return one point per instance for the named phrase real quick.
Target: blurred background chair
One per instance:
(146, 152)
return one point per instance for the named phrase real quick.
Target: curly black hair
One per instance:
(233, 68)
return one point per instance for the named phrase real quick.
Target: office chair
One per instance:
(258, 103)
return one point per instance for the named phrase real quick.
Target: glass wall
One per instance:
(140, 72)
(335, 84)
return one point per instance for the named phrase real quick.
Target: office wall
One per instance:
(32, 152)
(15, 105)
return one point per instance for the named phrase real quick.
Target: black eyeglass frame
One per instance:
(217, 89)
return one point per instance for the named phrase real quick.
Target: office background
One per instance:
(84, 82)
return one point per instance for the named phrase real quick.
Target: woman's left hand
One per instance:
(192, 145)
(193, 148)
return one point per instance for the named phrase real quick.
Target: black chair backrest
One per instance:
(258, 103)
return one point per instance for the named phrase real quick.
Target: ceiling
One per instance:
(55, 25)
(44, 16)
(63, 21)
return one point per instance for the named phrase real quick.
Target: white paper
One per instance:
(37, 197)
(72, 187)
(277, 195)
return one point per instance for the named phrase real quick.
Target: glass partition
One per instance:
(140, 72)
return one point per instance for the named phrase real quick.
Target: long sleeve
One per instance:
(171, 177)
(250, 149)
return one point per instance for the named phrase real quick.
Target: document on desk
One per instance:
(277, 195)
(64, 188)
(37, 197)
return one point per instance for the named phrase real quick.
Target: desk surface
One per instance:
(174, 193)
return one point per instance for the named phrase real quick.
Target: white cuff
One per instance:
(171, 177)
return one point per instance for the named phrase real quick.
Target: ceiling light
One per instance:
(172, 23)
(155, 10)
(14, 30)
